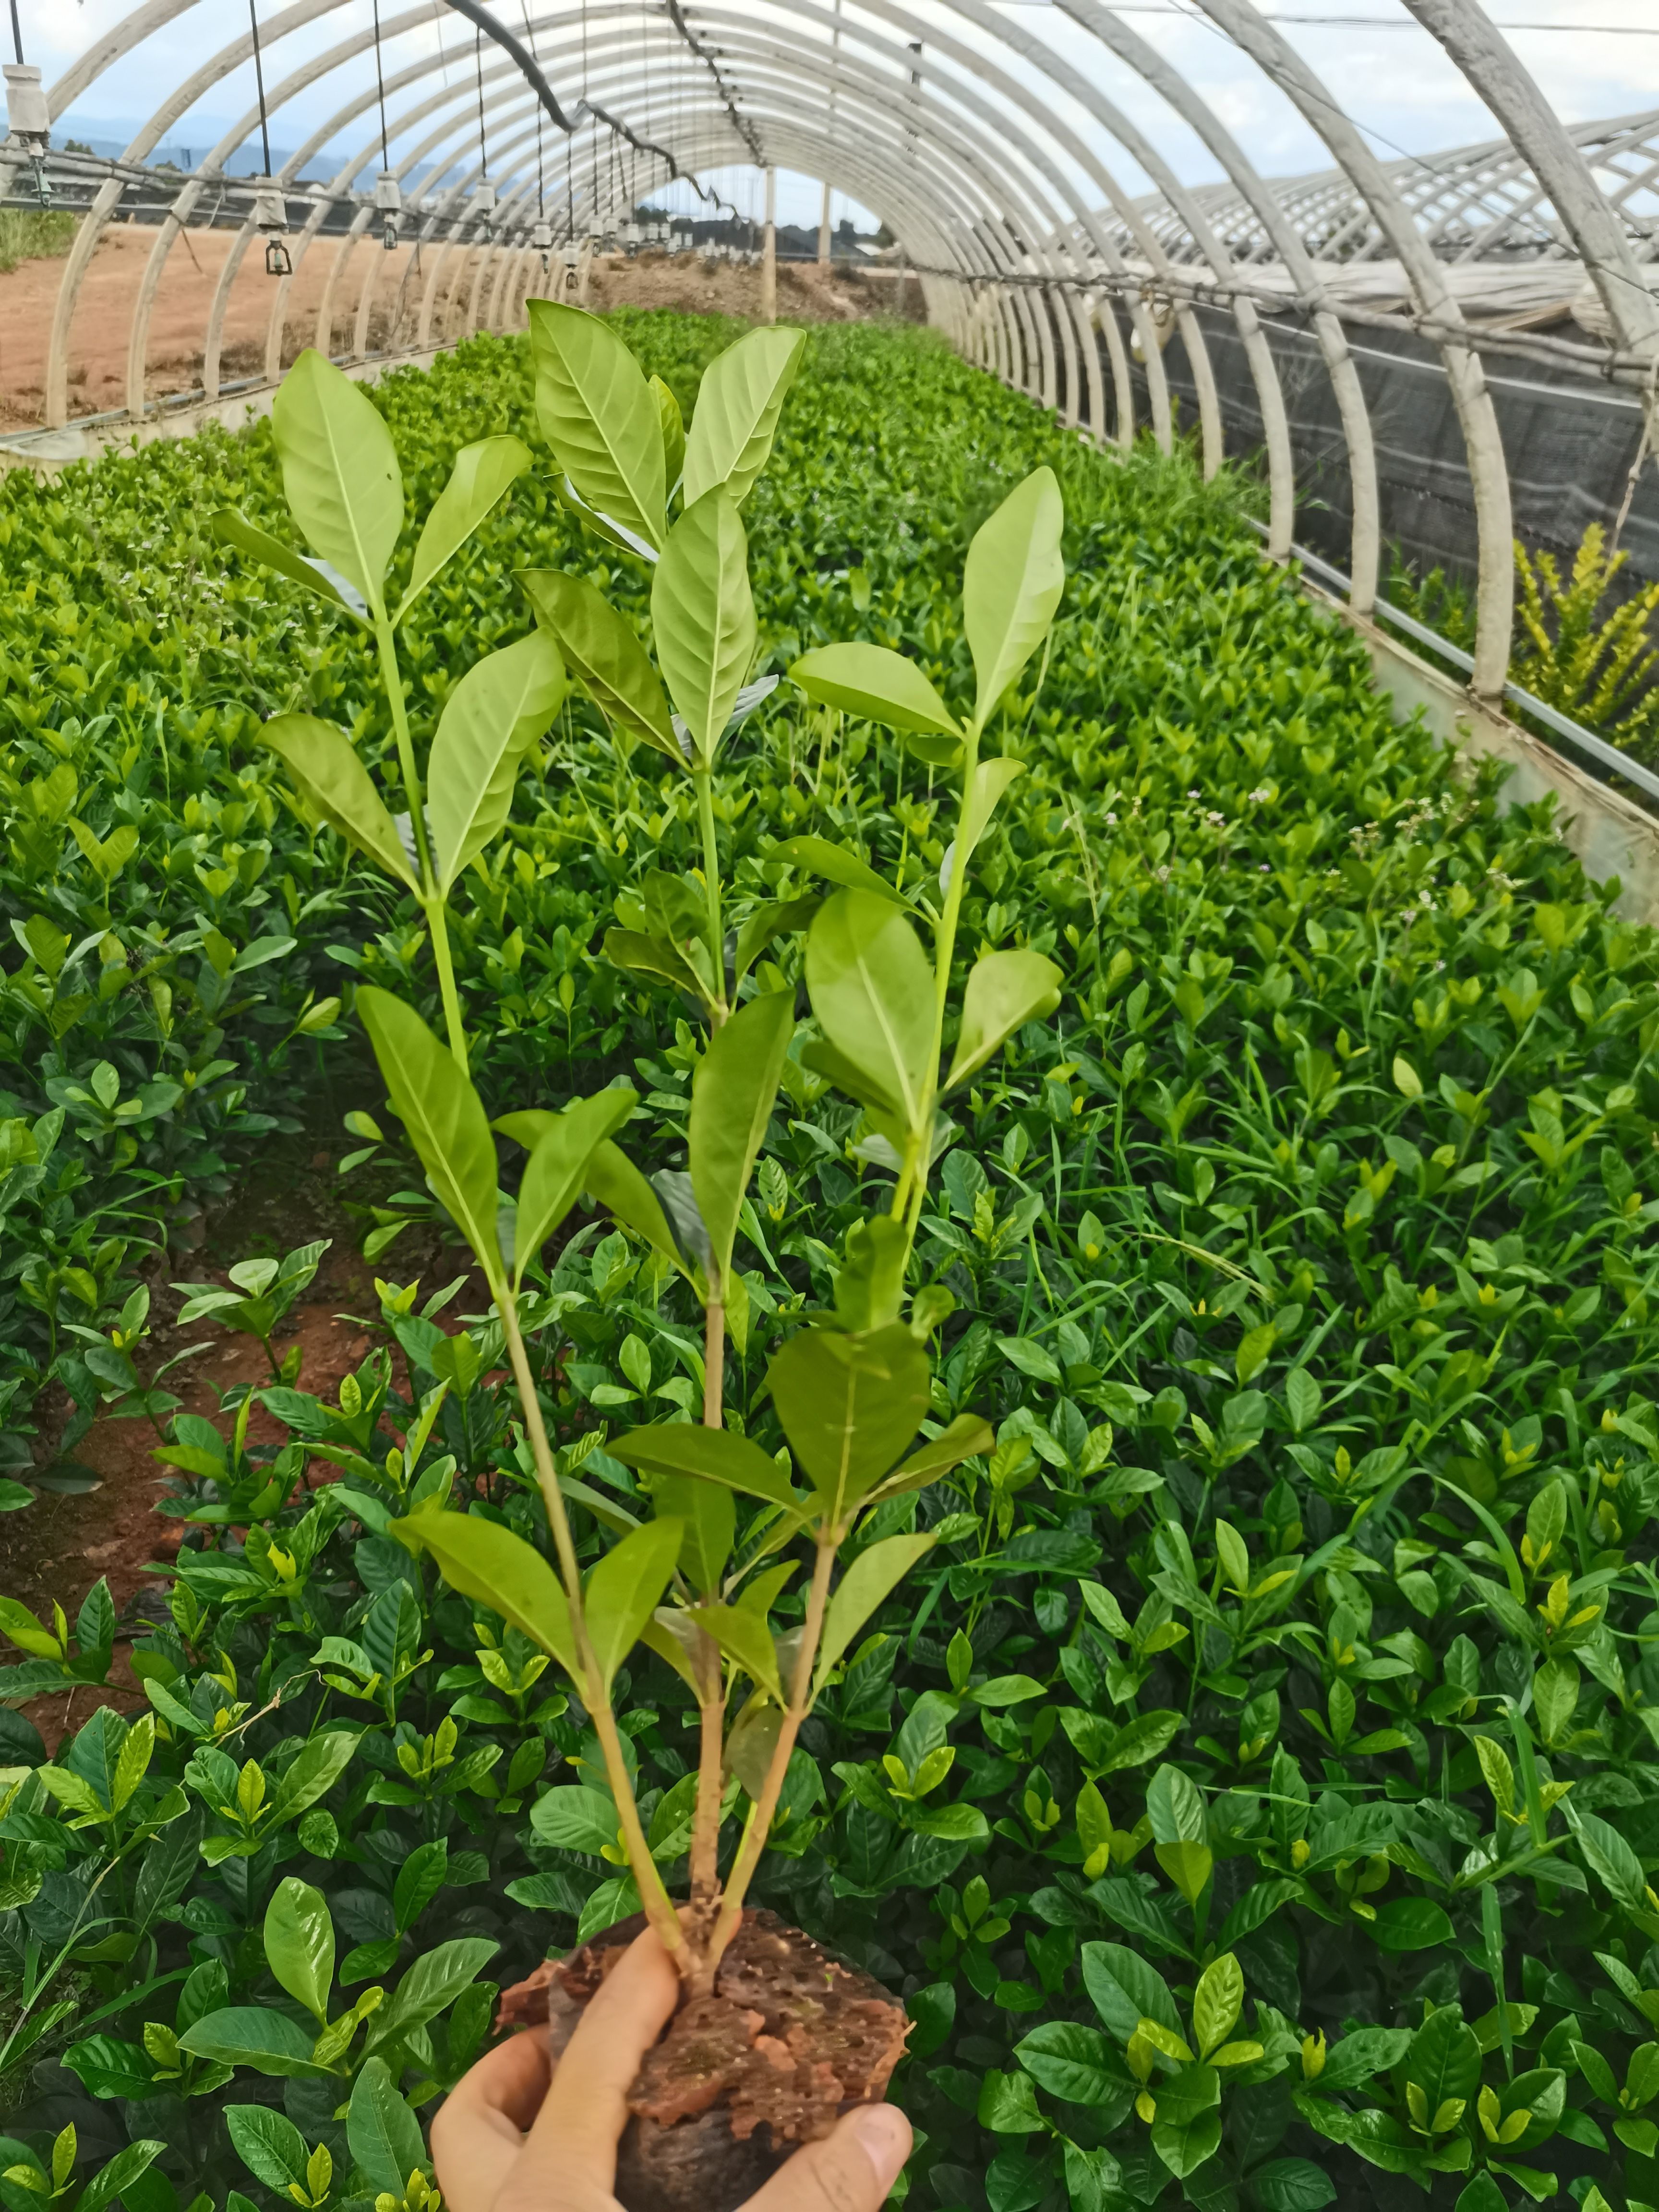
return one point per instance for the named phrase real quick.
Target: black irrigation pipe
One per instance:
(740, 123)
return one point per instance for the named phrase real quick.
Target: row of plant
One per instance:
(1250, 1794)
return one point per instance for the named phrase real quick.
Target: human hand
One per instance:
(518, 2134)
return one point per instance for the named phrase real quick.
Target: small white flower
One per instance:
(1260, 795)
(1111, 821)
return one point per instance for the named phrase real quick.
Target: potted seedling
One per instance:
(772, 2038)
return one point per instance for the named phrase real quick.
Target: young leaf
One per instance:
(991, 779)
(818, 856)
(558, 1167)
(875, 683)
(702, 615)
(870, 1283)
(483, 1560)
(743, 1635)
(967, 1436)
(231, 527)
(324, 768)
(1217, 2003)
(614, 1180)
(482, 475)
(299, 1939)
(709, 1515)
(1011, 585)
(382, 2135)
(340, 471)
(600, 417)
(873, 991)
(731, 1093)
(867, 1581)
(1005, 990)
(849, 1405)
(625, 1588)
(736, 417)
(677, 1448)
(443, 1113)
(673, 434)
(602, 652)
(491, 720)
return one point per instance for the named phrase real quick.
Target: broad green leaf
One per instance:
(576, 1819)
(482, 475)
(382, 2135)
(299, 1939)
(109, 2067)
(121, 2173)
(614, 1180)
(231, 527)
(1444, 2058)
(873, 682)
(557, 1170)
(967, 1436)
(673, 434)
(340, 472)
(602, 652)
(870, 1579)
(625, 1588)
(324, 767)
(736, 417)
(1005, 990)
(1070, 2060)
(1217, 2003)
(252, 2035)
(485, 1561)
(702, 617)
(269, 2145)
(1125, 1990)
(600, 416)
(443, 1113)
(435, 1980)
(497, 711)
(712, 1455)
(732, 1089)
(1011, 585)
(743, 1635)
(872, 989)
(312, 1775)
(708, 1514)
(818, 856)
(849, 1405)
(869, 1282)
(992, 779)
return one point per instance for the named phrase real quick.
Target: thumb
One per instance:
(851, 2171)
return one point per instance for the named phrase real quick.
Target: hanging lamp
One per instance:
(388, 193)
(269, 201)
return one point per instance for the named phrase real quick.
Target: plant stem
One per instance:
(801, 1699)
(653, 1898)
(706, 1820)
(432, 901)
(711, 877)
(713, 1363)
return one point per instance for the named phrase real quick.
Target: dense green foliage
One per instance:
(1286, 1665)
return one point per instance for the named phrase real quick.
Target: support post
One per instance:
(824, 232)
(769, 252)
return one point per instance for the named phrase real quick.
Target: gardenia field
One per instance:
(1296, 1634)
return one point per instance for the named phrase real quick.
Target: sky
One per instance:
(1590, 57)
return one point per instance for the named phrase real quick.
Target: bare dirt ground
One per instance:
(184, 302)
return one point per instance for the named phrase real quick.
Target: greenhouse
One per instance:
(829, 1369)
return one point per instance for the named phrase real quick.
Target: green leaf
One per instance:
(324, 768)
(1293, 2184)
(871, 1578)
(231, 527)
(819, 856)
(1125, 1990)
(992, 779)
(107, 2066)
(486, 1561)
(269, 2145)
(625, 1589)
(1008, 2106)
(1071, 2061)
(875, 683)
(605, 656)
(871, 989)
(673, 434)
(120, 2174)
(712, 1455)
(614, 1180)
(1011, 585)
(340, 472)
(869, 1282)
(252, 2035)
(732, 1089)
(1217, 2003)
(966, 1437)
(849, 1405)
(435, 1980)
(497, 711)
(482, 475)
(576, 1819)
(1444, 2058)
(736, 418)
(1005, 990)
(600, 416)
(443, 1113)
(383, 2134)
(299, 1939)
(709, 1515)
(702, 615)
(1411, 1923)
(312, 1775)
(744, 1637)
(558, 1169)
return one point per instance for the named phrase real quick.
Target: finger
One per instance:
(851, 2170)
(477, 2136)
(581, 2119)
